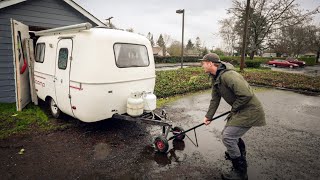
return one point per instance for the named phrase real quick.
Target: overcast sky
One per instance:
(159, 16)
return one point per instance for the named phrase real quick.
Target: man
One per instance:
(246, 110)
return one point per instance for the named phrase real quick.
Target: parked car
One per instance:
(282, 63)
(296, 61)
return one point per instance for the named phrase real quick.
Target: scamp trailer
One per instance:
(93, 73)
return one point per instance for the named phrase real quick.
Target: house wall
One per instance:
(269, 55)
(39, 13)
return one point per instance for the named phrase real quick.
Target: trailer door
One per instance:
(20, 33)
(62, 75)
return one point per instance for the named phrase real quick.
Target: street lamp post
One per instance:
(109, 20)
(181, 11)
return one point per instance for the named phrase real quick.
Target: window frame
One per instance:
(67, 58)
(44, 52)
(115, 58)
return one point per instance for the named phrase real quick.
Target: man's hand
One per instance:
(206, 121)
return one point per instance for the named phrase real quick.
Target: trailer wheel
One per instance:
(161, 144)
(176, 130)
(55, 111)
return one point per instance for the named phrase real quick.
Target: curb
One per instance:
(311, 93)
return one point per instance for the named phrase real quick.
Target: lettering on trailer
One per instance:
(40, 83)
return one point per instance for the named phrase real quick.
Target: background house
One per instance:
(38, 15)
(269, 54)
(158, 51)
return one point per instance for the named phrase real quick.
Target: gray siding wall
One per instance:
(41, 13)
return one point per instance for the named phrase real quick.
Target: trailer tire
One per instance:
(55, 111)
(161, 144)
(176, 130)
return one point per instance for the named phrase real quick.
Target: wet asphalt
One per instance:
(286, 148)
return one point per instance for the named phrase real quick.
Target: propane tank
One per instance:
(135, 105)
(150, 101)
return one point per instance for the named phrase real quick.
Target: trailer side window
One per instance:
(40, 51)
(63, 58)
(131, 55)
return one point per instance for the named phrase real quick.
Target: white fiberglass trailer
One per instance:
(90, 74)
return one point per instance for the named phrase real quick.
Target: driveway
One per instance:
(287, 148)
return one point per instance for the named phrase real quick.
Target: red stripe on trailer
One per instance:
(80, 89)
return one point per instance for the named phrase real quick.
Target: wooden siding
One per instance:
(40, 13)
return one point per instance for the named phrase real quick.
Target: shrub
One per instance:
(176, 59)
(254, 63)
(235, 60)
(310, 61)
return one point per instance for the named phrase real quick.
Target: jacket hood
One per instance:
(227, 66)
(224, 67)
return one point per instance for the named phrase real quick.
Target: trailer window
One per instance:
(40, 50)
(63, 58)
(131, 55)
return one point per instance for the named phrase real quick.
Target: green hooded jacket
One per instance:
(246, 109)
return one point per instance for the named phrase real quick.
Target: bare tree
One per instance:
(265, 17)
(175, 48)
(167, 41)
(314, 39)
(228, 34)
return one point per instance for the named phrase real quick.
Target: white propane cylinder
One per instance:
(150, 102)
(135, 105)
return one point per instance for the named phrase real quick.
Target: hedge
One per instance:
(235, 60)
(181, 81)
(310, 61)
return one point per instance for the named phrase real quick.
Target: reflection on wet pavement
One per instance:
(281, 107)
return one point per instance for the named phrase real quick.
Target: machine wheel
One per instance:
(161, 144)
(176, 130)
(55, 111)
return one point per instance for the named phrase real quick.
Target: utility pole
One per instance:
(181, 11)
(245, 32)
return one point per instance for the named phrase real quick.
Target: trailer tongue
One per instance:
(161, 142)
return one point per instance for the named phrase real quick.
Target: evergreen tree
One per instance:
(152, 41)
(150, 37)
(205, 51)
(160, 41)
(162, 44)
(190, 45)
(198, 45)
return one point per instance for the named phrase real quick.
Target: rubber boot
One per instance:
(242, 148)
(238, 171)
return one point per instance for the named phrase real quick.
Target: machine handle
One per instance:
(223, 114)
